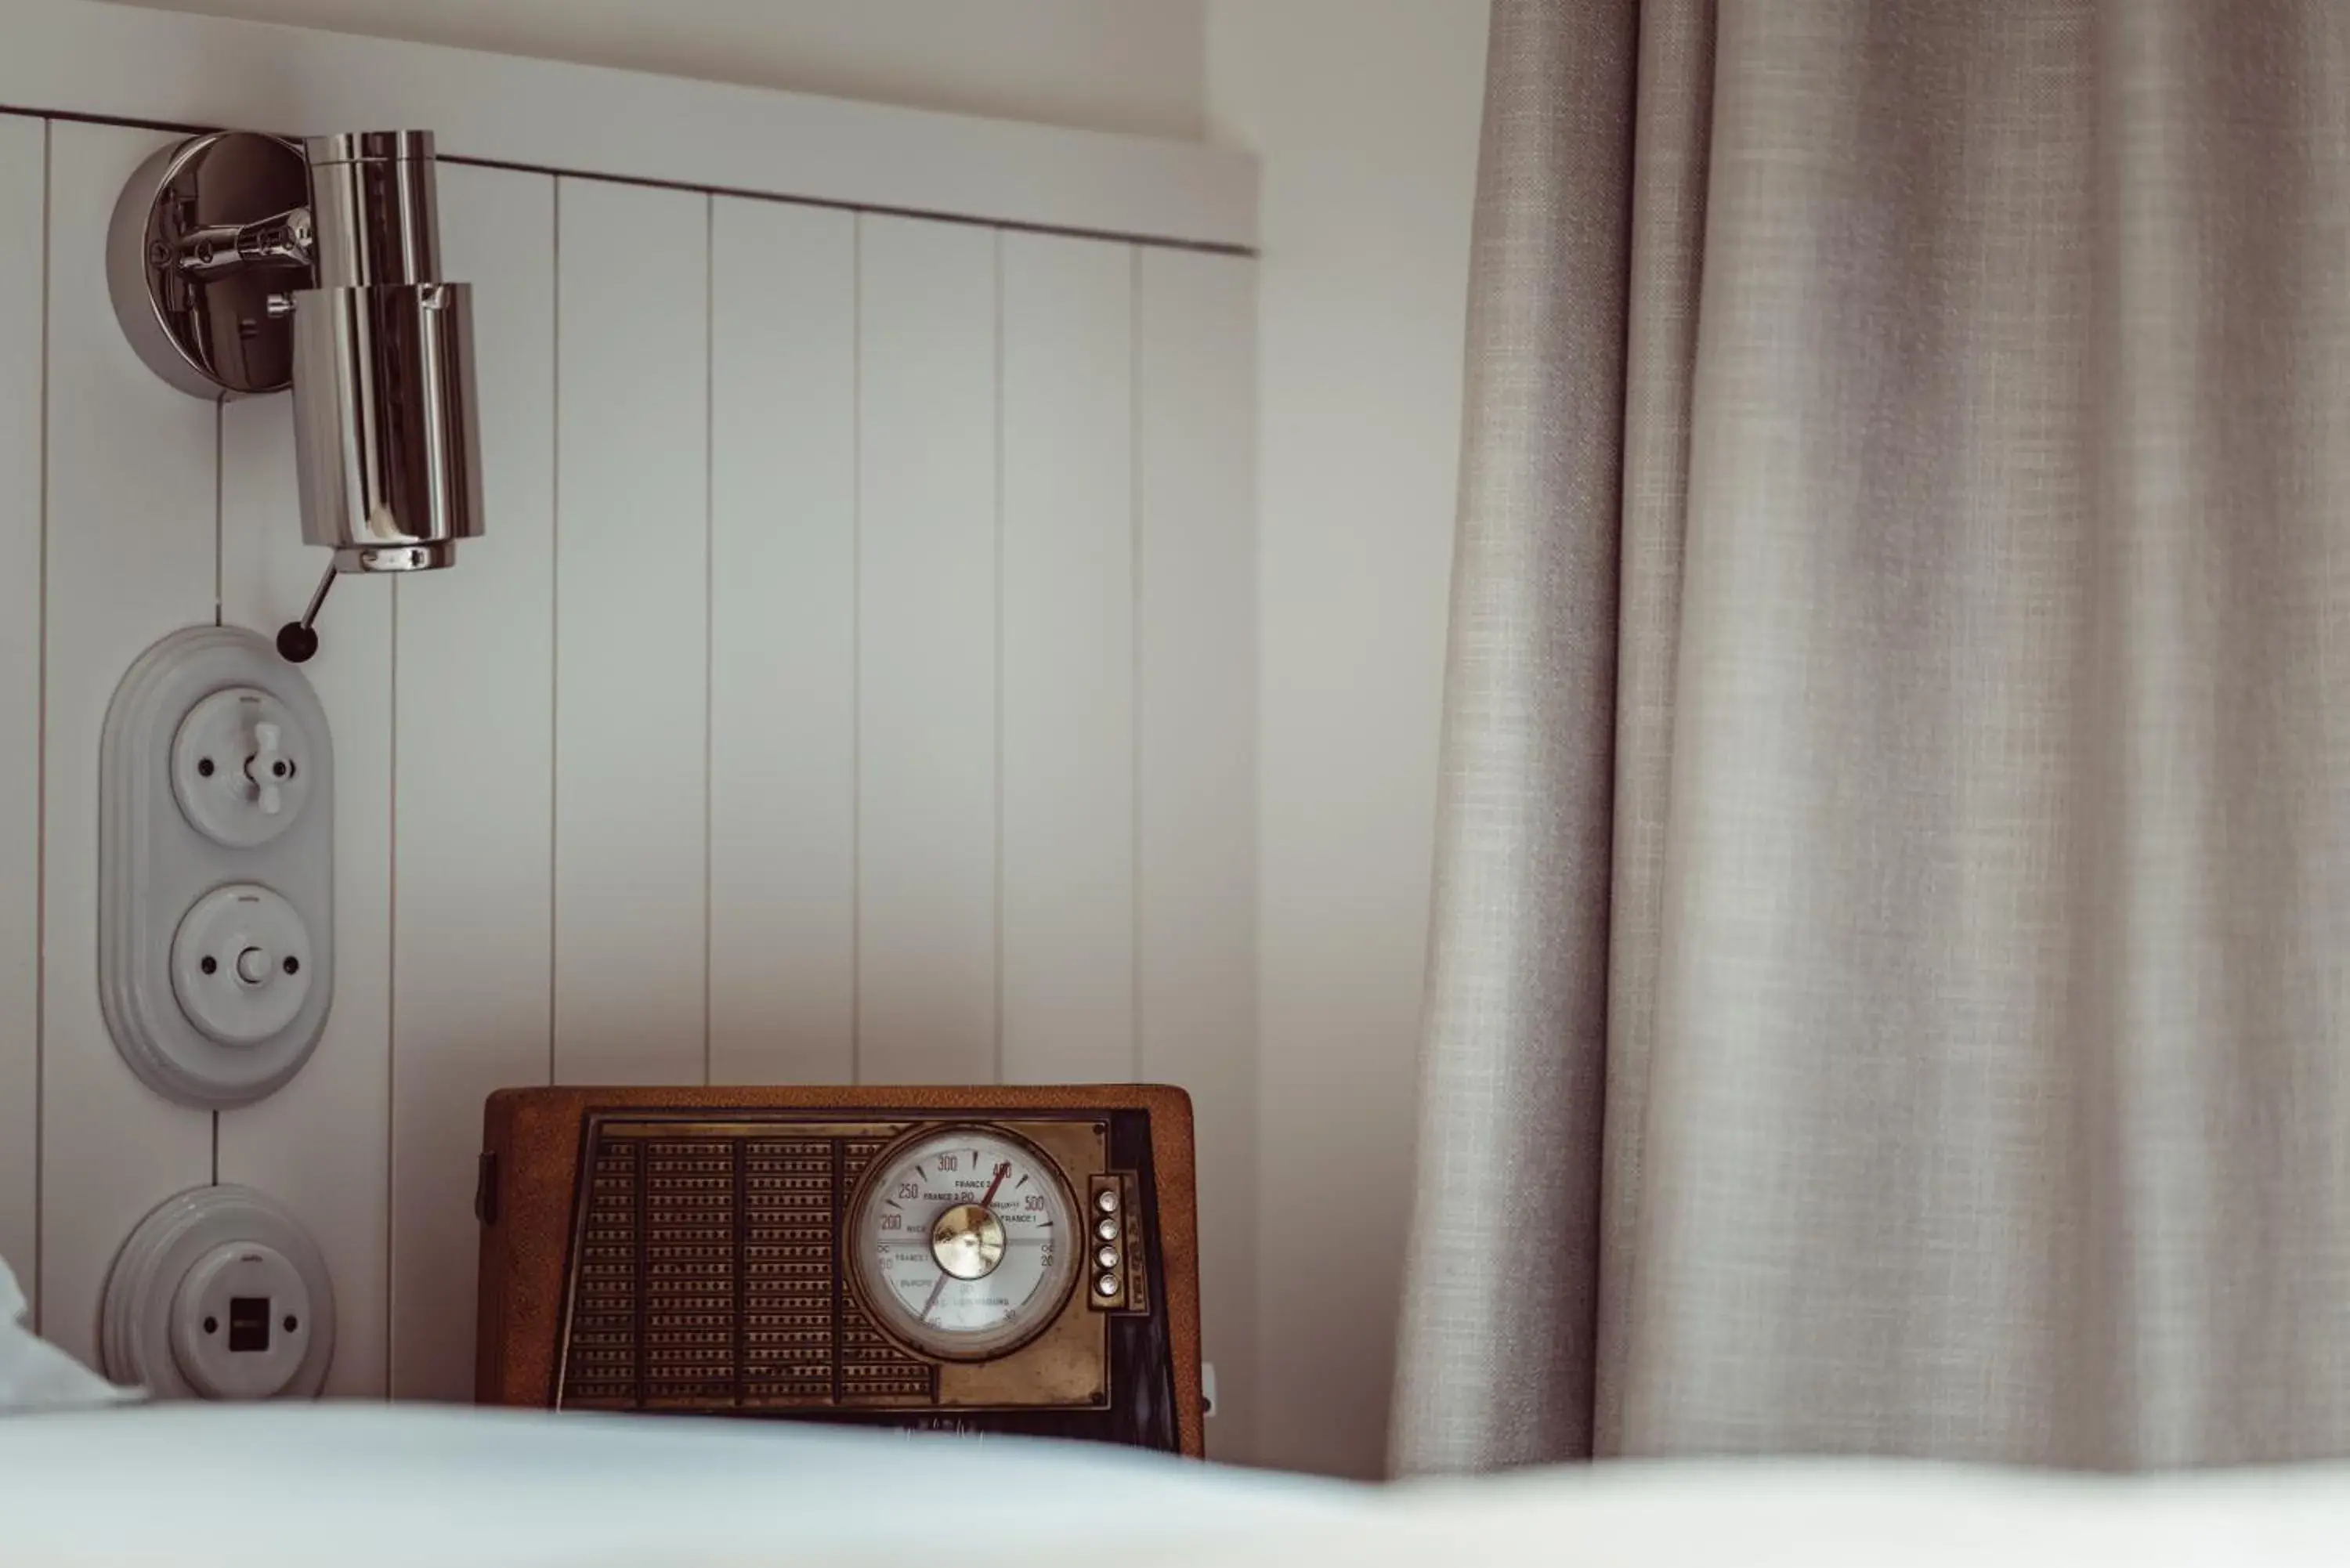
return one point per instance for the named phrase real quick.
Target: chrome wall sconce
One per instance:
(242, 264)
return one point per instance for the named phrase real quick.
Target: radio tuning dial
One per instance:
(965, 1242)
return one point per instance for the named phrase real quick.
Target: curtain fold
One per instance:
(1888, 985)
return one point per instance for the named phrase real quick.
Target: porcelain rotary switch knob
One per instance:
(266, 769)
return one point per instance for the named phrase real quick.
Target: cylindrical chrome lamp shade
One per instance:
(240, 264)
(386, 438)
(374, 202)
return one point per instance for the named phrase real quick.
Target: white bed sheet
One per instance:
(358, 1486)
(355, 1486)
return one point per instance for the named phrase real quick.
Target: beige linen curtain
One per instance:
(1891, 956)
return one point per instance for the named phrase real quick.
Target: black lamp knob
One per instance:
(296, 642)
(296, 639)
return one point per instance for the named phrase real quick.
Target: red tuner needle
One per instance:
(1001, 1171)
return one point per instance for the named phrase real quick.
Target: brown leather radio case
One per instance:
(764, 1252)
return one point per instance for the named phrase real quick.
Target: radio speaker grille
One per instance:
(704, 1279)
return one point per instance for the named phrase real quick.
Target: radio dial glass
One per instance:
(965, 1242)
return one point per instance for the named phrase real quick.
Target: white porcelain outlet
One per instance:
(219, 1294)
(215, 960)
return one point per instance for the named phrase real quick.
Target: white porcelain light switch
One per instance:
(238, 767)
(215, 868)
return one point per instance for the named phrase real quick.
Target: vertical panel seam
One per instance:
(709, 588)
(219, 551)
(856, 649)
(554, 653)
(1134, 651)
(41, 781)
(1000, 378)
(391, 1002)
(219, 503)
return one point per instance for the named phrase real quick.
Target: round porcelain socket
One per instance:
(241, 1323)
(240, 964)
(219, 1294)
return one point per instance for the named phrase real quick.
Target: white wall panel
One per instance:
(131, 518)
(473, 862)
(23, 178)
(1367, 113)
(1068, 846)
(1196, 494)
(319, 1144)
(631, 648)
(855, 682)
(782, 644)
(926, 652)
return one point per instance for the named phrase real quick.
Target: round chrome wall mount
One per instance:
(209, 237)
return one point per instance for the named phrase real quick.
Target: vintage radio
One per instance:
(997, 1259)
